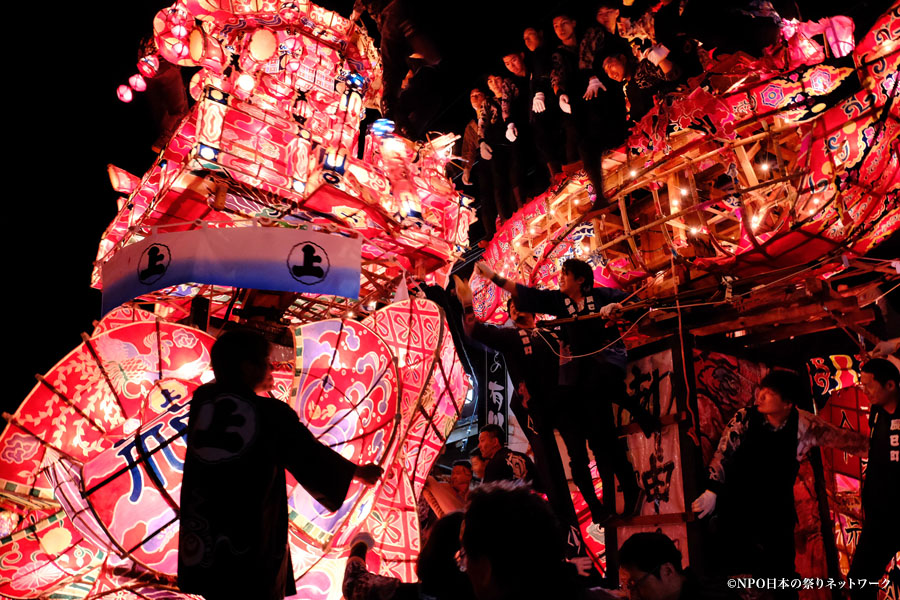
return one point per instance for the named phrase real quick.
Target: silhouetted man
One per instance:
(233, 539)
(880, 536)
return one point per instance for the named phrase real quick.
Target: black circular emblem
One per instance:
(308, 263)
(332, 178)
(154, 263)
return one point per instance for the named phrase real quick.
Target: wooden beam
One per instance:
(732, 321)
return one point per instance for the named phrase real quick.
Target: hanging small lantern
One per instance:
(137, 82)
(245, 84)
(170, 32)
(292, 65)
(292, 45)
(289, 12)
(124, 93)
(195, 88)
(206, 51)
(148, 66)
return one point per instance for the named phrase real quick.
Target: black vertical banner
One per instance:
(496, 393)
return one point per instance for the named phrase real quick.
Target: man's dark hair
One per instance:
(882, 371)
(789, 385)
(516, 531)
(463, 463)
(436, 566)
(235, 348)
(476, 453)
(580, 270)
(649, 551)
(512, 302)
(494, 430)
(564, 11)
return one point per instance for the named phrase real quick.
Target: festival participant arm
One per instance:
(527, 298)
(495, 338)
(728, 444)
(814, 431)
(322, 472)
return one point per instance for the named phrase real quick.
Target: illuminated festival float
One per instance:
(732, 205)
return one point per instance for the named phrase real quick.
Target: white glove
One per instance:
(885, 349)
(467, 174)
(594, 86)
(564, 104)
(486, 152)
(607, 310)
(511, 132)
(705, 504)
(657, 54)
(537, 105)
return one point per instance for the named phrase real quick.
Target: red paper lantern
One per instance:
(148, 66)
(124, 93)
(137, 82)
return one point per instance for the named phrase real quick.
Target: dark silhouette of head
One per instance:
(437, 567)
(241, 357)
(513, 544)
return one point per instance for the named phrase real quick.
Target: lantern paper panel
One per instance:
(90, 395)
(317, 576)
(44, 557)
(411, 328)
(394, 524)
(345, 391)
(121, 316)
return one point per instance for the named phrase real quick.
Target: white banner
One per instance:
(265, 258)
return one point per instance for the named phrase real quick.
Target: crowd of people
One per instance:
(571, 95)
(578, 82)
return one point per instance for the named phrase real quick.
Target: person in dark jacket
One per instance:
(531, 356)
(592, 372)
(879, 539)
(233, 536)
(502, 463)
(751, 477)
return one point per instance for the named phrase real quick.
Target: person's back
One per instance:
(233, 534)
(233, 499)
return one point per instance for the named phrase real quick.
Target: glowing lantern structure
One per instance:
(90, 464)
(685, 185)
